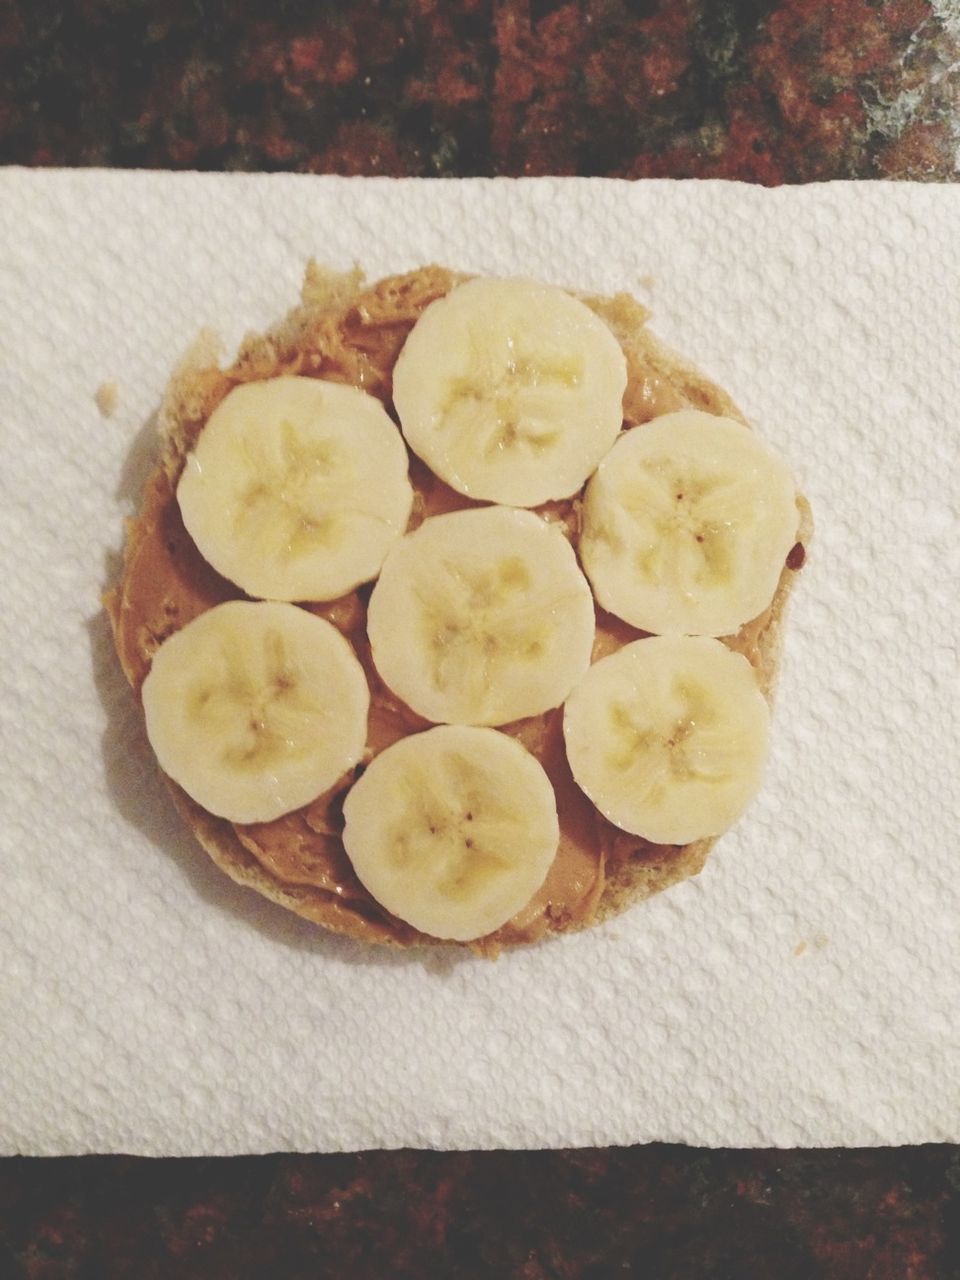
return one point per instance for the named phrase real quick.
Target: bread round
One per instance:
(350, 332)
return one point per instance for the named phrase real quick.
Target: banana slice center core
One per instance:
(487, 617)
(448, 832)
(688, 532)
(507, 395)
(297, 490)
(259, 714)
(681, 754)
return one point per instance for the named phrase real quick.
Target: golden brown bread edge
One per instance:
(660, 380)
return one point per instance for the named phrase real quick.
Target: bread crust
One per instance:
(310, 340)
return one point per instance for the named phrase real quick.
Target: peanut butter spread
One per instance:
(349, 334)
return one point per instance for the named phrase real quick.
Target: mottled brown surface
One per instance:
(759, 91)
(654, 1213)
(755, 91)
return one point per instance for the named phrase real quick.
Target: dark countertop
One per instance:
(759, 91)
(654, 1213)
(756, 91)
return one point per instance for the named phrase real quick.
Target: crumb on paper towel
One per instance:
(107, 397)
(819, 941)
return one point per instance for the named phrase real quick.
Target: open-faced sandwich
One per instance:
(454, 606)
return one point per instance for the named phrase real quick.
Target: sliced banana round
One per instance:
(668, 737)
(481, 617)
(296, 488)
(256, 708)
(510, 390)
(687, 524)
(452, 830)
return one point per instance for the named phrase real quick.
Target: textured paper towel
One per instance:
(802, 991)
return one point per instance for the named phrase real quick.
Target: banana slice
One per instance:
(255, 709)
(668, 737)
(687, 524)
(296, 488)
(481, 617)
(452, 830)
(510, 391)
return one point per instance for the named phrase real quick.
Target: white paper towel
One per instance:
(802, 991)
